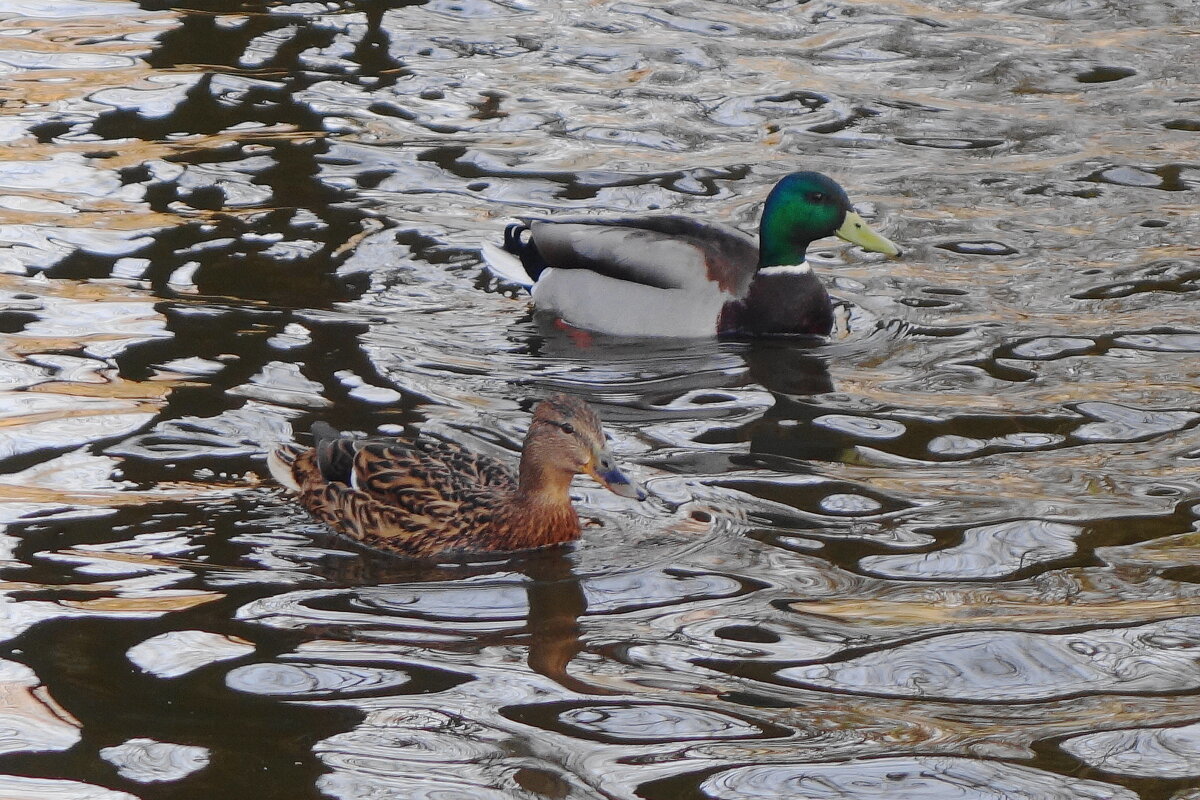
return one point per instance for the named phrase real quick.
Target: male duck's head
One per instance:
(804, 207)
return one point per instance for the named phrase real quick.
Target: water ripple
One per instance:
(313, 681)
(50, 789)
(641, 723)
(988, 551)
(176, 653)
(1117, 423)
(1144, 752)
(149, 761)
(29, 719)
(416, 753)
(1011, 666)
(903, 778)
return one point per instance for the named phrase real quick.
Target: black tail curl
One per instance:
(512, 237)
(524, 249)
(335, 452)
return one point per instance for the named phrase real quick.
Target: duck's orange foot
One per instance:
(579, 336)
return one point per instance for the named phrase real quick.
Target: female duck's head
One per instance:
(565, 439)
(804, 207)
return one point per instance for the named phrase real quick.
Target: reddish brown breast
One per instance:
(521, 526)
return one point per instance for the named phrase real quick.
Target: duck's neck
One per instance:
(539, 512)
(773, 253)
(778, 243)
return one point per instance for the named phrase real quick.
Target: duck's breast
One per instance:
(786, 300)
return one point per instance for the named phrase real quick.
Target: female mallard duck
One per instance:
(674, 276)
(425, 498)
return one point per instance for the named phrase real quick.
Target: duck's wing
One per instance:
(398, 500)
(402, 476)
(448, 466)
(660, 252)
(470, 470)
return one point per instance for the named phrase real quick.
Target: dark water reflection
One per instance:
(948, 553)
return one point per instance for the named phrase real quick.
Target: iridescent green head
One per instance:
(804, 207)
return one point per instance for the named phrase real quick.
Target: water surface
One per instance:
(948, 553)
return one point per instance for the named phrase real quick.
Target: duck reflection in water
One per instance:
(785, 429)
(791, 370)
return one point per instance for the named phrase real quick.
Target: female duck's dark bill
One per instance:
(619, 483)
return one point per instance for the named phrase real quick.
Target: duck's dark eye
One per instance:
(566, 427)
(817, 197)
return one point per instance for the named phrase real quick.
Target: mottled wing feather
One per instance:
(663, 252)
(424, 525)
(416, 480)
(472, 470)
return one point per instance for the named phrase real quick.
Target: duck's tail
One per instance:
(281, 462)
(518, 261)
(335, 453)
(334, 458)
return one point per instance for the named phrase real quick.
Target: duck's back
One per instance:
(665, 252)
(467, 470)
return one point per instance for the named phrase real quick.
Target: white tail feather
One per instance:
(505, 266)
(281, 469)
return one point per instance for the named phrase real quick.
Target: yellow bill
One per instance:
(856, 231)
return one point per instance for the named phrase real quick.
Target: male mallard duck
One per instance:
(424, 498)
(674, 276)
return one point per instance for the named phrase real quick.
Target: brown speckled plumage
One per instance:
(424, 498)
